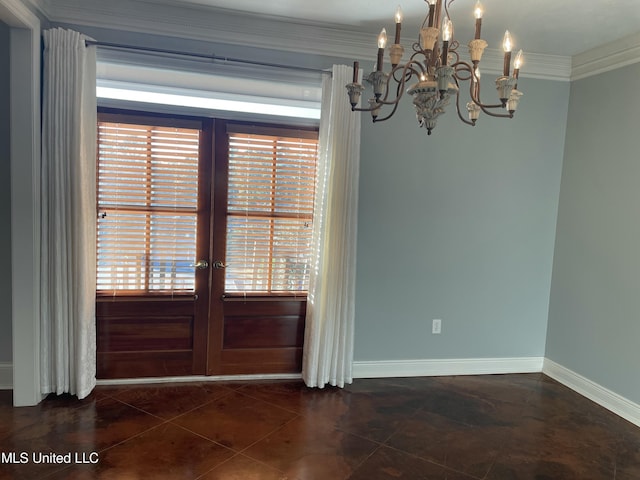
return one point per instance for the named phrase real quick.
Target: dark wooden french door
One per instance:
(200, 330)
(248, 332)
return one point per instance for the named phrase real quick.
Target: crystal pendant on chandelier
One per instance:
(436, 67)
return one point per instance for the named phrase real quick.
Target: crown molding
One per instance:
(19, 13)
(198, 22)
(610, 56)
(211, 25)
(208, 24)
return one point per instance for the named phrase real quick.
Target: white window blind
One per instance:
(147, 208)
(269, 212)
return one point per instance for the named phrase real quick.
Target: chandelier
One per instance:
(438, 72)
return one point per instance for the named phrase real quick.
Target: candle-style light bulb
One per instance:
(517, 63)
(398, 18)
(447, 30)
(382, 43)
(507, 43)
(478, 10)
(399, 15)
(382, 38)
(447, 33)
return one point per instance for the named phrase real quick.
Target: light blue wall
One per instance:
(5, 201)
(459, 226)
(594, 317)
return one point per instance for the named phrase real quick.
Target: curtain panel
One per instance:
(68, 199)
(328, 345)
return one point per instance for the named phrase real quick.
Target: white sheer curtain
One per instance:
(328, 343)
(68, 337)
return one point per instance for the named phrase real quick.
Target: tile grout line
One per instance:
(244, 450)
(204, 437)
(243, 455)
(235, 454)
(355, 469)
(268, 402)
(446, 467)
(223, 395)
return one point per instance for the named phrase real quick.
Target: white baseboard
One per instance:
(6, 376)
(376, 369)
(602, 396)
(437, 367)
(199, 378)
(422, 368)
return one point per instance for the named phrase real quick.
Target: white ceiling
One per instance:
(555, 27)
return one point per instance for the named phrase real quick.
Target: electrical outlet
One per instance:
(436, 326)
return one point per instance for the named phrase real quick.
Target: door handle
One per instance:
(201, 264)
(218, 264)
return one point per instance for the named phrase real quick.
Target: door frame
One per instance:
(25, 52)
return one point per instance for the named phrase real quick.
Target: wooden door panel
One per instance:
(260, 361)
(261, 336)
(263, 332)
(126, 334)
(144, 364)
(145, 337)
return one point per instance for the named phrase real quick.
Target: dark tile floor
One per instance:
(498, 427)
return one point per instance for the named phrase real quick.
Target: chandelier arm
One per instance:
(486, 110)
(486, 106)
(462, 66)
(401, 83)
(447, 5)
(407, 68)
(393, 110)
(400, 88)
(394, 102)
(457, 82)
(464, 120)
(407, 72)
(359, 109)
(393, 74)
(412, 60)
